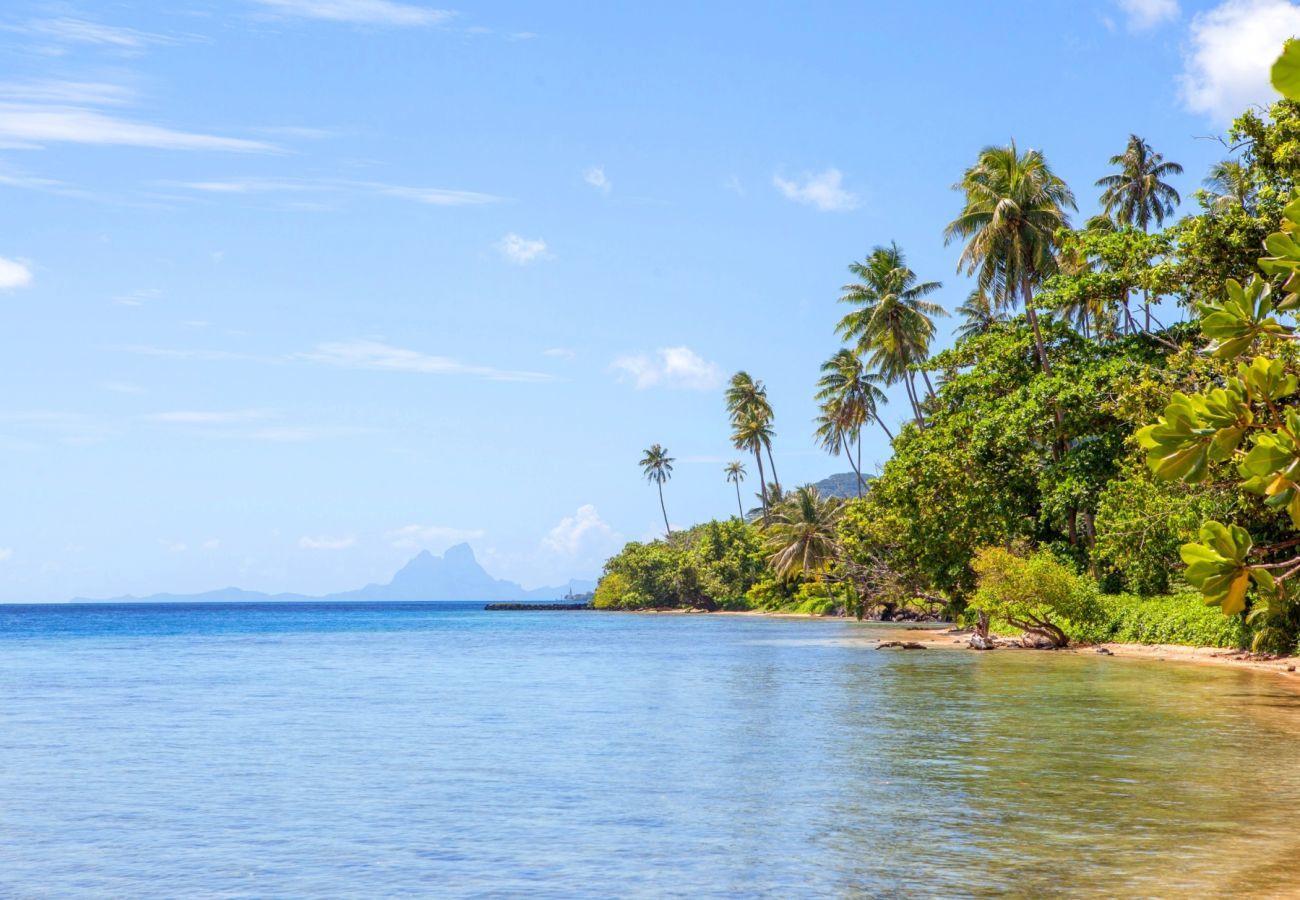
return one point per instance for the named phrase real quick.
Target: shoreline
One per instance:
(940, 636)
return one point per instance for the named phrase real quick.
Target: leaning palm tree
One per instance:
(747, 400)
(892, 323)
(753, 434)
(1014, 206)
(1229, 184)
(1138, 193)
(657, 466)
(736, 474)
(850, 398)
(979, 315)
(802, 537)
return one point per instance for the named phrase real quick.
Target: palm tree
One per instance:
(747, 399)
(979, 315)
(753, 434)
(657, 466)
(801, 536)
(1138, 193)
(1229, 184)
(1014, 206)
(850, 399)
(893, 322)
(736, 474)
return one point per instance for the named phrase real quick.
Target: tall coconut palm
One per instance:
(657, 466)
(747, 399)
(802, 537)
(979, 315)
(837, 423)
(753, 434)
(1229, 184)
(1014, 206)
(1138, 193)
(736, 474)
(892, 323)
(850, 398)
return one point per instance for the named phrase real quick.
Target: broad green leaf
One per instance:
(1286, 71)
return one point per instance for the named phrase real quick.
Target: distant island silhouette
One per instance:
(456, 575)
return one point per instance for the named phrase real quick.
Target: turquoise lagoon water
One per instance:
(288, 750)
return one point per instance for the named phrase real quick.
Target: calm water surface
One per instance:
(283, 750)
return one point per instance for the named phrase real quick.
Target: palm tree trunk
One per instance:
(775, 478)
(1058, 450)
(848, 451)
(889, 434)
(762, 481)
(668, 528)
(858, 439)
(740, 507)
(929, 387)
(911, 396)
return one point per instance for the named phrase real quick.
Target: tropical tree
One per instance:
(753, 434)
(1014, 206)
(802, 535)
(849, 399)
(1138, 193)
(657, 466)
(979, 315)
(747, 400)
(893, 323)
(736, 474)
(1228, 184)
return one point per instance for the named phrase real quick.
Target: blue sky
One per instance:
(292, 288)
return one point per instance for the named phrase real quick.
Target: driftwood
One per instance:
(901, 645)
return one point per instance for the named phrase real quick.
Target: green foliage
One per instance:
(1037, 593)
(1286, 71)
(1177, 619)
(710, 566)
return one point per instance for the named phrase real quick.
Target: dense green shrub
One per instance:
(1172, 619)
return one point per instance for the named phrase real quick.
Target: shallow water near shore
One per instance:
(388, 749)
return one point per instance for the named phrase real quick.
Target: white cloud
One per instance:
(582, 532)
(427, 195)
(436, 196)
(212, 544)
(1144, 14)
(521, 250)
(201, 417)
(733, 184)
(364, 354)
(1232, 47)
(559, 353)
(122, 387)
(38, 124)
(14, 274)
(68, 30)
(824, 190)
(360, 12)
(411, 536)
(6, 553)
(677, 367)
(68, 93)
(595, 176)
(307, 542)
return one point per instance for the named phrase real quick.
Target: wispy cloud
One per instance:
(823, 190)
(6, 553)
(63, 92)
(14, 273)
(559, 353)
(673, 367)
(324, 542)
(411, 536)
(210, 417)
(122, 387)
(595, 176)
(364, 354)
(44, 124)
(1145, 14)
(360, 12)
(71, 30)
(1231, 49)
(521, 250)
(428, 195)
